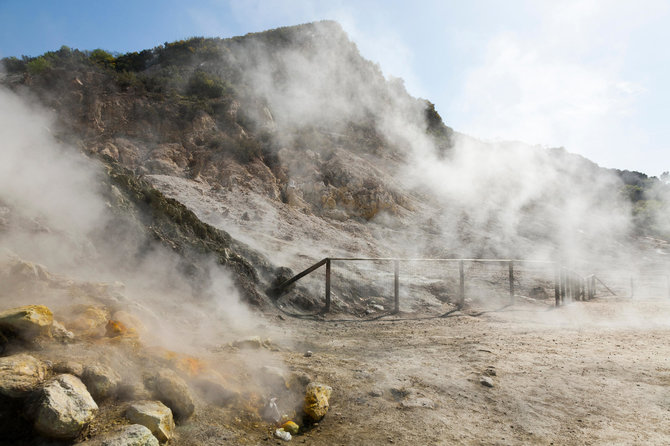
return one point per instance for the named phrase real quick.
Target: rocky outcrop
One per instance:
(154, 415)
(169, 388)
(20, 375)
(133, 435)
(65, 407)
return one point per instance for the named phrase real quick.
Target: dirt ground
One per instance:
(588, 373)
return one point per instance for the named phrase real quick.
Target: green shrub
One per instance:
(102, 57)
(38, 65)
(205, 85)
(14, 65)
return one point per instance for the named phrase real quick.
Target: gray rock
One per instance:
(60, 333)
(133, 435)
(65, 407)
(101, 381)
(169, 388)
(154, 415)
(250, 343)
(486, 381)
(20, 375)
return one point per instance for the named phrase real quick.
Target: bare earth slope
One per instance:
(589, 373)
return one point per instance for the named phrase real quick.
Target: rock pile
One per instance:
(60, 400)
(62, 381)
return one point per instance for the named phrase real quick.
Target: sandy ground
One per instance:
(589, 373)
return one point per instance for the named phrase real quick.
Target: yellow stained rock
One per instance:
(91, 320)
(291, 427)
(27, 321)
(316, 400)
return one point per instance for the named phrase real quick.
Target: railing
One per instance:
(567, 284)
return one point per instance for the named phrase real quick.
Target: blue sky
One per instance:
(588, 75)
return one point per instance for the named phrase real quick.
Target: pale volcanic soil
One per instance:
(588, 373)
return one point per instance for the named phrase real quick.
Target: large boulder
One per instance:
(27, 322)
(133, 435)
(154, 415)
(65, 407)
(316, 400)
(101, 381)
(169, 388)
(20, 375)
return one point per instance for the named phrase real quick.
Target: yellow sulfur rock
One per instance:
(28, 321)
(291, 427)
(316, 400)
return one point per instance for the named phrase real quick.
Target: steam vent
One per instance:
(265, 239)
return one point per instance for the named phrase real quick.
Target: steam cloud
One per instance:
(52, 212)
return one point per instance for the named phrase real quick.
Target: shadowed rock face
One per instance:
(65, 408)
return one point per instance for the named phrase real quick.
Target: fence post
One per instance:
(564, 283)
(557, 285)
(326, 309)
(593, 287)
(396, 286)
(461, 290)
(511, 282)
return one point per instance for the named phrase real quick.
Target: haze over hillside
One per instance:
(176, 185)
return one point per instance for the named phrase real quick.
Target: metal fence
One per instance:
(382, 283)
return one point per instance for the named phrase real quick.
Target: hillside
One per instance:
(176, 185)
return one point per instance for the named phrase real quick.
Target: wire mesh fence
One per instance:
(374, 286)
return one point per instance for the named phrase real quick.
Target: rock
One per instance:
(65, 407)
(281, 433)
(27, 322)
(486, 381)
(133, 435)
(60, 333)
(154, 415)
(376, 393)
(308, 354)
(132, 391)
(90, 320)
(316, 400)
(101, 381)
(250, 343)
(169, 388)
(291, 427)
(20, 375)
(69, 367)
